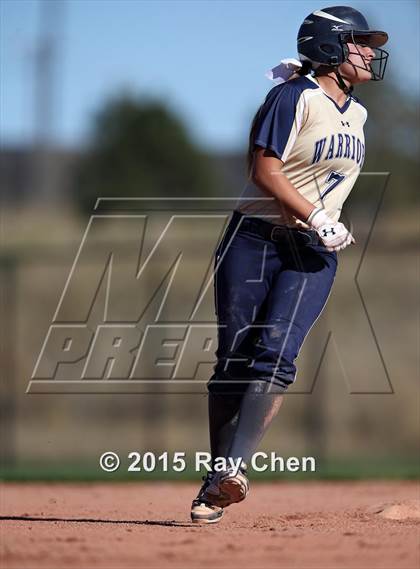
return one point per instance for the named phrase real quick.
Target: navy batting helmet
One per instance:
(323, 37)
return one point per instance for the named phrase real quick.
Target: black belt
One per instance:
(275, 233)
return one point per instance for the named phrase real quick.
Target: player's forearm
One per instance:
(277, 184)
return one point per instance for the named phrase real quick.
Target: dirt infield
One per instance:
(285, 525)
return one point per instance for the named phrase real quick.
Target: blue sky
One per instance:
(205, 59)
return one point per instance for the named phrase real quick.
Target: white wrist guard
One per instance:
(318, 218)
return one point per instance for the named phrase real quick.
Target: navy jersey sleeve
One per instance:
(277, 115)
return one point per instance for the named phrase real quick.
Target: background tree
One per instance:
(139, 148)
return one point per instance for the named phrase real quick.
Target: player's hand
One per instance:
(333, 234)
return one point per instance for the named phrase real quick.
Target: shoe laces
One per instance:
(207, 478)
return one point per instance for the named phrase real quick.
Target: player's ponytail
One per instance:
(305, 69)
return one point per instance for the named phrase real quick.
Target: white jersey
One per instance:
(321, 144)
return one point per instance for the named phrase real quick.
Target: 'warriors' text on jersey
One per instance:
(321, 145)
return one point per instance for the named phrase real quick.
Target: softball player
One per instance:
(276, 262)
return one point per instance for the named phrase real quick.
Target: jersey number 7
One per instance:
(333, 179)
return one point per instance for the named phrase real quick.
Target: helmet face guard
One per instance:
(377, 65)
